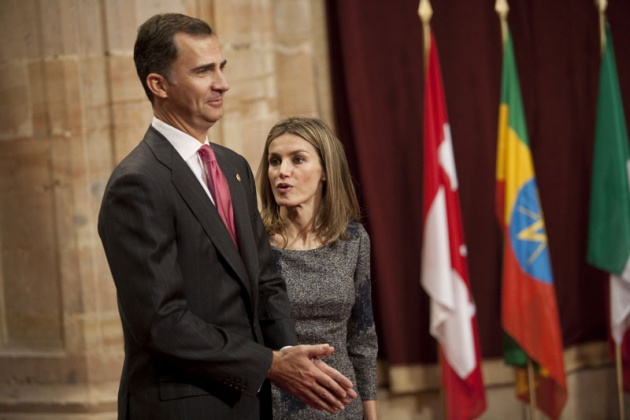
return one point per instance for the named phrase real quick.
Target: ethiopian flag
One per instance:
(529, 310)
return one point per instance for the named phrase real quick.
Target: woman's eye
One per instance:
(298, 159)
(273, 161)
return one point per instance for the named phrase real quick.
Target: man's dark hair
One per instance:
(155, 48)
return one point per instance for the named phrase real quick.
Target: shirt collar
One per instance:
(185, 144)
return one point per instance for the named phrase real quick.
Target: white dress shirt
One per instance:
(187, 147)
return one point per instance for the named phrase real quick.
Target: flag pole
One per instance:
(425, 11)
(619, 379)
(503, 8)
(445, 411)
(532, 388)
(601, 7)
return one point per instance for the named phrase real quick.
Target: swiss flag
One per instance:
(444, 266)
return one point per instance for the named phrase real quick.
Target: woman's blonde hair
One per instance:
(339, 203)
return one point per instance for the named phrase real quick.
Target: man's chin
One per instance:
(214, 118)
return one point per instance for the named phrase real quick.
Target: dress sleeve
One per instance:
(362, 341)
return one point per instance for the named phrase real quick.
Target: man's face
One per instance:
(195, 85)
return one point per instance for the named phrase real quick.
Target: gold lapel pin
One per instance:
(238, 177)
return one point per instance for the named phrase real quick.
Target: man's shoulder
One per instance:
(229, 154)
(226, 150)
(142, 157)
(136, 156)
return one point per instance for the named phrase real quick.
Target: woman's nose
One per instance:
(285, 169)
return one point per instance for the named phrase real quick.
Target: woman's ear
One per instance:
(158, 85)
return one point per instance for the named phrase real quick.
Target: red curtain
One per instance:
(376, 52)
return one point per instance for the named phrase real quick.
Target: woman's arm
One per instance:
(369, 410)
(362, 341)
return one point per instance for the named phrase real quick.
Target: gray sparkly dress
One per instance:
(330, 293)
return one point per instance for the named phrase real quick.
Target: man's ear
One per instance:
(158, 85)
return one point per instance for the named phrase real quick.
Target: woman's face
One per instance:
(295, 172)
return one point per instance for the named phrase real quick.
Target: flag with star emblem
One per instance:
(444, 263)
(529, 313)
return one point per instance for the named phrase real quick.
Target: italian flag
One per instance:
(609, 224)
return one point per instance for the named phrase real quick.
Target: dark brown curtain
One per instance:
(377, 67)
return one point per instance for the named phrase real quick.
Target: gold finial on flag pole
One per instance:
(601, 6)
(425, 11)
(502, 8)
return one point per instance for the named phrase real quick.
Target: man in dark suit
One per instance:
(205, 316)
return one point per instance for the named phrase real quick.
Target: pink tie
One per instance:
(218, 188)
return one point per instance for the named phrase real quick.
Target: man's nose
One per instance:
(220, 83)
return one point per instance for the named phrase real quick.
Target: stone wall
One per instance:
(72, 107)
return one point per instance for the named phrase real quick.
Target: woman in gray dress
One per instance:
(311, 213)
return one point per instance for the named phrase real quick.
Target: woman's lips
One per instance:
(282, 187)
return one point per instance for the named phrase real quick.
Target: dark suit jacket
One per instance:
(199, 316)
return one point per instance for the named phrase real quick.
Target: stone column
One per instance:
(72, 107)
(60, 340)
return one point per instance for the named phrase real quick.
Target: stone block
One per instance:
(20, 41)
(15, 107)
(124, 82)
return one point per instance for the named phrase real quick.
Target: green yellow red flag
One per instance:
(529, 309)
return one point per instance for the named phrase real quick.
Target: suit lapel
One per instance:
(198, 201)
(242, 218)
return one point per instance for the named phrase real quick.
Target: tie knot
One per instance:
(206, 153)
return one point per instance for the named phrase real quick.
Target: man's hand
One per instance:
(299, 371)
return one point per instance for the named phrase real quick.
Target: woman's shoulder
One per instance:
(356, 231)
